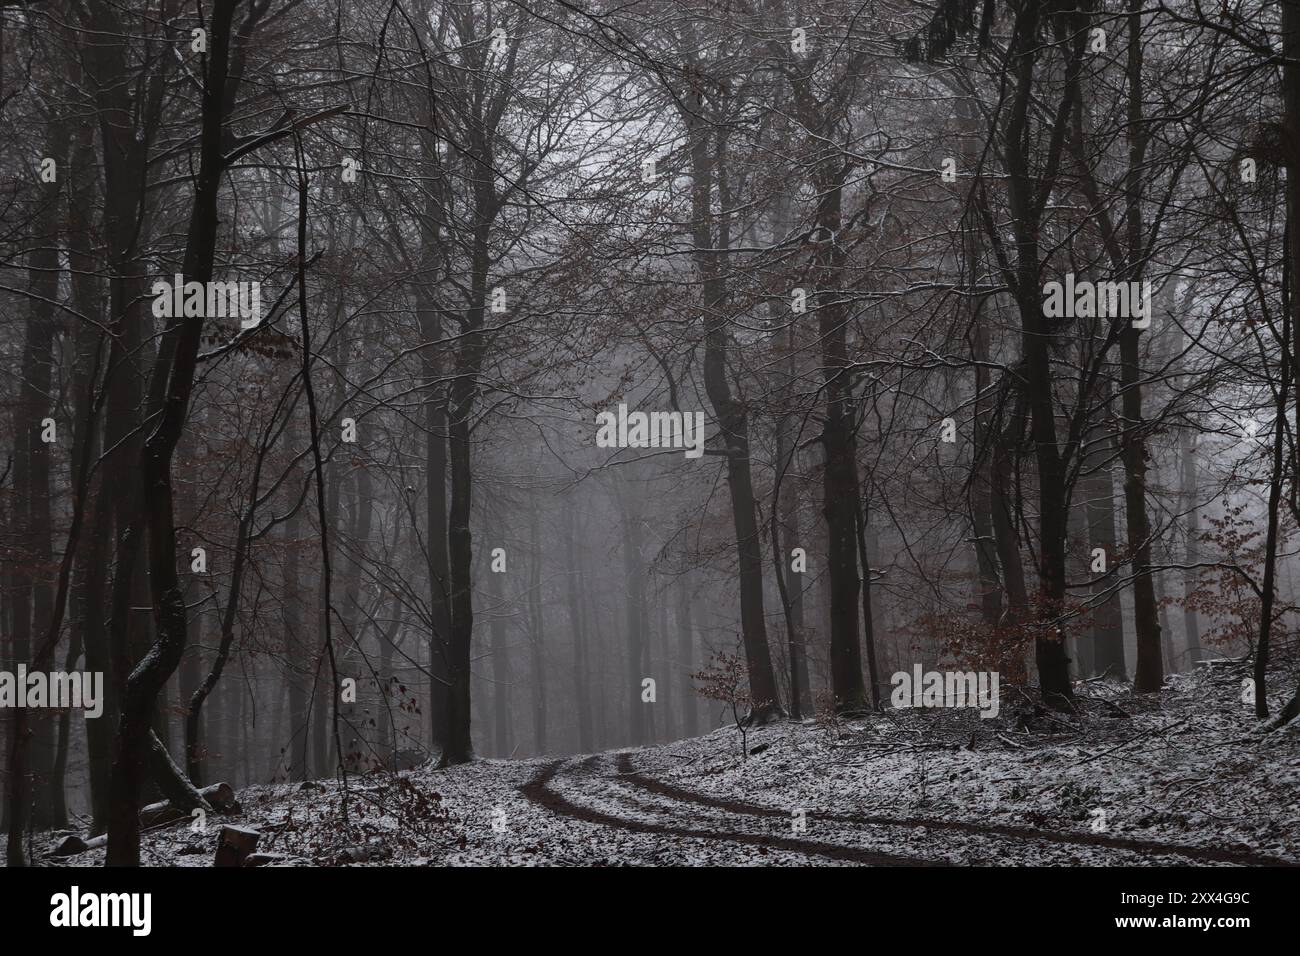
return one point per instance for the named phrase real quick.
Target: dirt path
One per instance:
(539, 791)
(624, 798)
(630, 774)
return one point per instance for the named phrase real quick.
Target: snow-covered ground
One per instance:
(1182, 777)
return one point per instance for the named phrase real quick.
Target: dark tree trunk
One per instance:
(171, 383)
(92, 556)
(1192, 553)
(839, 507)
(635, 620)
(868, 620)
(299, 650)
(502, 735)
(458, 747)
(792, 586)
(1099, 493)
(1002, 497)
(435, 428)
(840, 489)
(1149, 670)
(667, 685)
(1027, 199)
(981, 489)
(33, 593)
(686, 658)
(732, 415)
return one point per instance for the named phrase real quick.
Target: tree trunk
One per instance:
(868, 620)
(535, 629)
(1002, 497)
(1192, 554)
(171, 383)
(1099, 494)
(686, 658)
(34, 596)
(458, 747)
(300, 677)
(665, 657)
(732, 415)
(581, 668)
(1027, 199)
(435, 427)
(502, 736)
(634, 605)
(981, 489)
(840, 490)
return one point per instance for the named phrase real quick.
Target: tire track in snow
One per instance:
(537, 791)
(628, 773)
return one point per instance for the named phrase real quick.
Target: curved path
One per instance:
(615, 794)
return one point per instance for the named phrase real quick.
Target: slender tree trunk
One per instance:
(989, 585)
(1149, 674)
(840, 491)
(666, 697)
(435, 427)
(1002, 495)
(577, 622)
(171, 384)
(868, 623)
(1081, 643)
(535, 629)
(602, 731)
(457, 747)
(634, 604)
(354, 622)
(1268, 587)
(686, 657)
(300, 676)
(1149, 671)
(1192, 552)
(1099, 493)
(732, 415)
(1049, 648)
(981, 493)
(799, 644)
(1026, 199)
(1291, 307)
(1167, 633)
(387, 736)
(92, 557)
(34, 595)
(502, 731)
(463, 396)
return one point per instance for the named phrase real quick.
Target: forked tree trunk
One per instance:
(731, 413)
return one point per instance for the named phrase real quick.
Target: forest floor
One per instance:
(1182, 777)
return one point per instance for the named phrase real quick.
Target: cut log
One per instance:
(265, 859)
(160, 814)
(234, 844)
(218, 798)
(221, 796)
